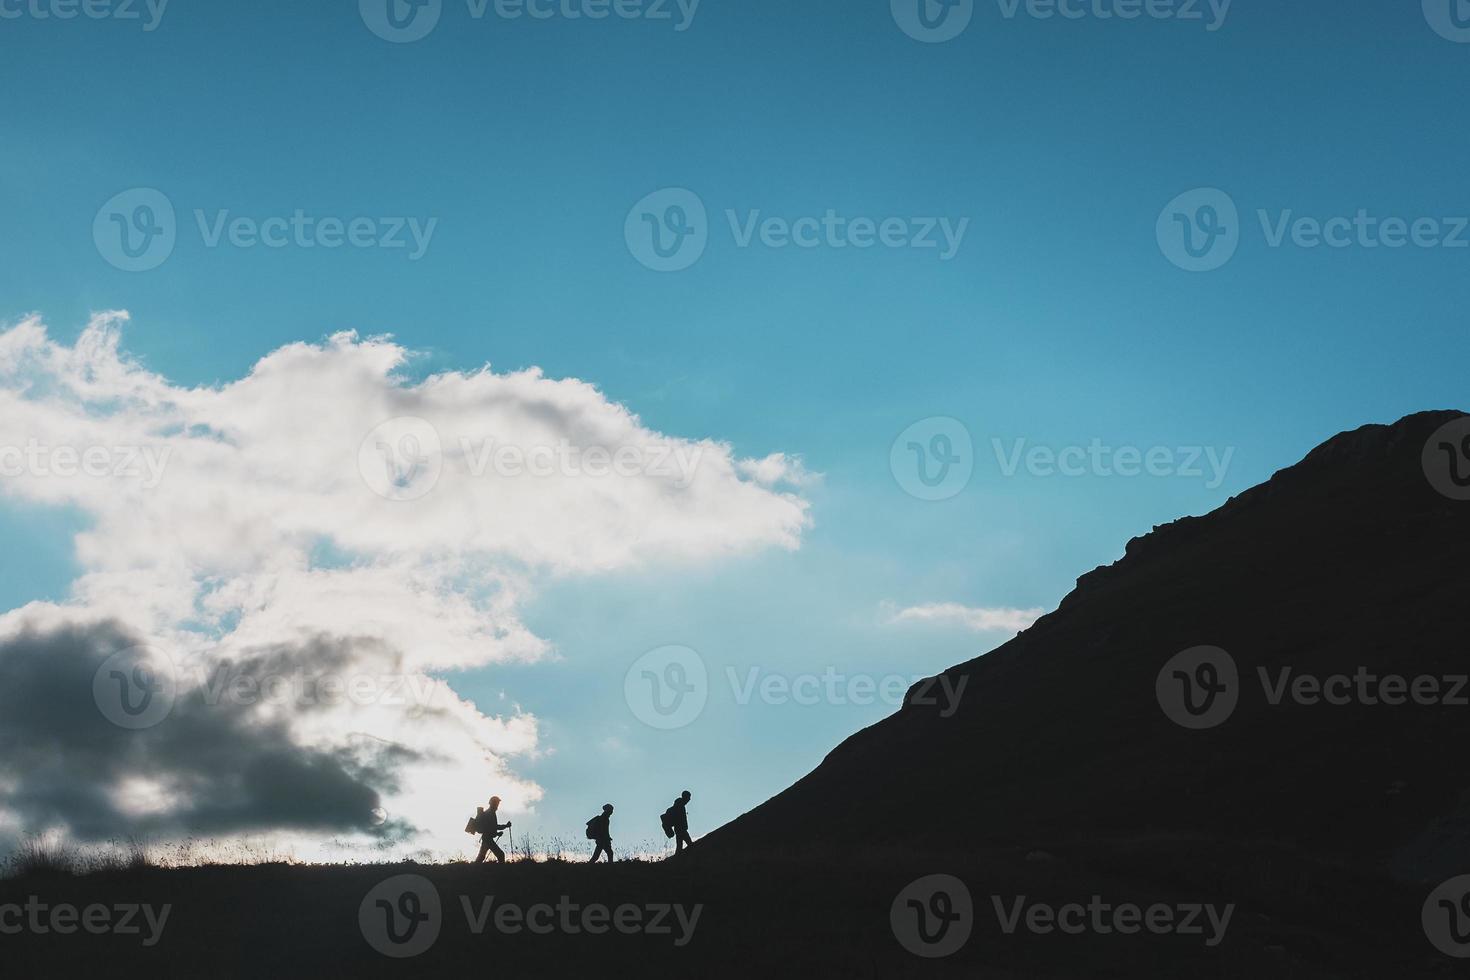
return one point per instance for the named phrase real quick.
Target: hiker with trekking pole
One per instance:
(486, 823)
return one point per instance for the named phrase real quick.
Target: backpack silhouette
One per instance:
(480, 824)
(668, 822)
(597, 827)
(600, 827)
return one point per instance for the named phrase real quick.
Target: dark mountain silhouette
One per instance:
(1348, 560)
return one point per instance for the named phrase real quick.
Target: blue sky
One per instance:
(1059, 320)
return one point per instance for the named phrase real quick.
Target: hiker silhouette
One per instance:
(599, 829)
(486, 823)
(676, 822)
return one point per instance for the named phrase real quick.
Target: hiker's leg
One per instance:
(484, 844)
(495, 849)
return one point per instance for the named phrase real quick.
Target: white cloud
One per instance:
(973, 618)
(222, 520)
(778, 468)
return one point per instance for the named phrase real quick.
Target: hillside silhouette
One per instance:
(1085, 757)
(1348, 562)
